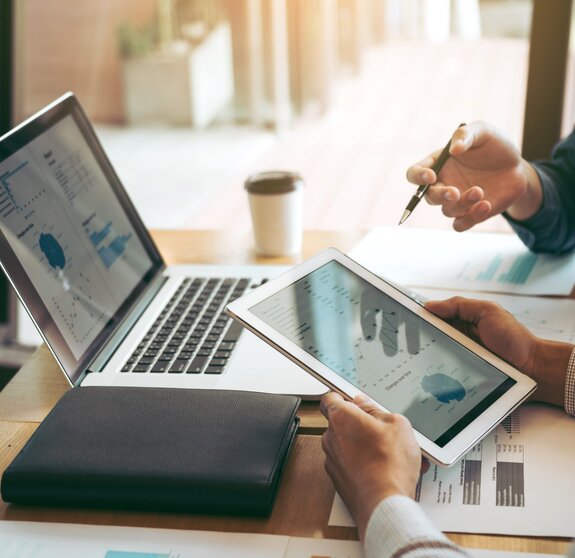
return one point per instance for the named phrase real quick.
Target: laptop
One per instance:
(90, 276)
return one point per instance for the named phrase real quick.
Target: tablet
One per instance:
(357, 333)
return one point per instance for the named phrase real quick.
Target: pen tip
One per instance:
(404, 216)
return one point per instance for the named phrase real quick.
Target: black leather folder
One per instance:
(198, 451)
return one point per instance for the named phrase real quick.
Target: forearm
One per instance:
(544, 217)
(530, 202)
(398, 527)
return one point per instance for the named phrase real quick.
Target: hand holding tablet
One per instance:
(359, 334)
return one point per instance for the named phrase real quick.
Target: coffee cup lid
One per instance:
(273, 182)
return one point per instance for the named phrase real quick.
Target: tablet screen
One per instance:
(385, 350)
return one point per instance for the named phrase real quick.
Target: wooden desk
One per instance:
(306, 494)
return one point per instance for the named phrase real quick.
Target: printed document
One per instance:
(493, 262)
(22, 539)
(517, 481)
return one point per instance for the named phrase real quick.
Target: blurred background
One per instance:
(191, 96)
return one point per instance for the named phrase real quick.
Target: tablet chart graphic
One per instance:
(444, 388)
(381, 347)
(349, 327)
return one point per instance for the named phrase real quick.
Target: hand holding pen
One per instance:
(485, 175)
(421, 191)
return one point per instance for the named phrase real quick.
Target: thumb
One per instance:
(368, 406)
(442, 308)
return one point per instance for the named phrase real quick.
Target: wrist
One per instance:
(549, 369)
(370, 498)
(531, 200)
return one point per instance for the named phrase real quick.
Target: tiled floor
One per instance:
(405, 103)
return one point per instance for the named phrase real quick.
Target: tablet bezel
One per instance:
(461, 442)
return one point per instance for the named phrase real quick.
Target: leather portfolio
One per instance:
(198, 451)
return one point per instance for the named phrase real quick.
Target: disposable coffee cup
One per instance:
(276, 206)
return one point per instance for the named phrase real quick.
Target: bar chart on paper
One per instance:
(507, 483)
(517, 273)
(488, 262)
(510, 475)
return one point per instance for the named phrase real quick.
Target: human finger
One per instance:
(370, 407)
(330, 401)
(421, 172)
(477, 214)
(465, 203)
(471, 135)
(439, 195)
(327, 441)
(467, 309)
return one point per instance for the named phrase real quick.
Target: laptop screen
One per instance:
(72, 243)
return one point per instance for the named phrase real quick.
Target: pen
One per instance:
(422, 189)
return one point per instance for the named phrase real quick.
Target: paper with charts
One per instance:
(495, 262)
(22, 539)
(517, 481)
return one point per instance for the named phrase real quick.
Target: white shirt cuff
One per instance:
(399, 528)
(570, 385)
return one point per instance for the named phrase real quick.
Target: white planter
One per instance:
(181, 89)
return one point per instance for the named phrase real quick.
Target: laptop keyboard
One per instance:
(193, 334)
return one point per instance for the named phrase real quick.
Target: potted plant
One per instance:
(178, 70)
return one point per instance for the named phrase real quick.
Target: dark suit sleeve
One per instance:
(552, 228)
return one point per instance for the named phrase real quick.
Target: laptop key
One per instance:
(218, 362)
(197, 365)
(234, 332)
(178, 366)
(160, 366)
(193, 323)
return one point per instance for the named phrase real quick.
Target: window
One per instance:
(191, 96)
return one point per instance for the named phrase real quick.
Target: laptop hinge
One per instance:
(101, 359)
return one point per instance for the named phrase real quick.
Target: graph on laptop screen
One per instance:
(75, 242)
